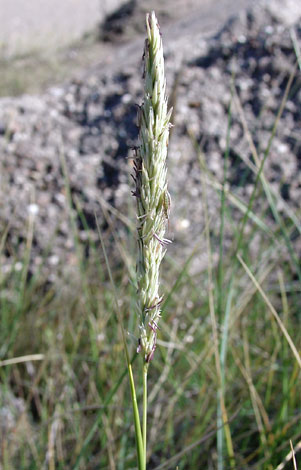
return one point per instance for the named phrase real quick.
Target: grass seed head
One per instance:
(153, 199)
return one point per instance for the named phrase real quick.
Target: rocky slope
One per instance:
(89, 126)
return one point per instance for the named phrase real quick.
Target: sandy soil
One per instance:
(49, 24)
(42, 45)
(43, 24)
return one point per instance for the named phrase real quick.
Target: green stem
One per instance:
(144, 422)
(139, 439)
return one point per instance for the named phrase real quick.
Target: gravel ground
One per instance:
(91, 122)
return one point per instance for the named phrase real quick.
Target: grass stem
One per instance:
(144, 418)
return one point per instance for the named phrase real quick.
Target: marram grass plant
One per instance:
(153, 204)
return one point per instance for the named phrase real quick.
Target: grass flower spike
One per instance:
(153, 200)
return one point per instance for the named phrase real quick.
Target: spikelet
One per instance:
(153, 200)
